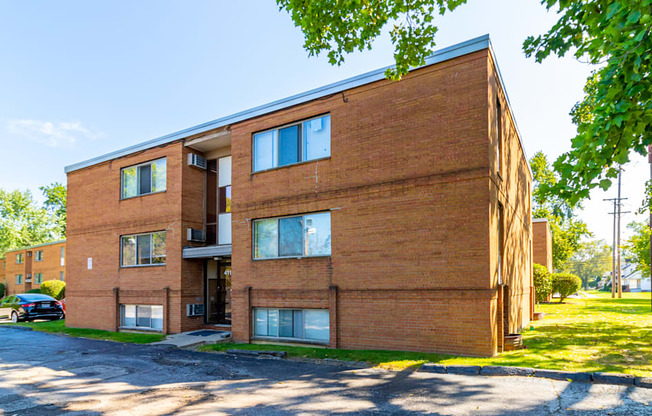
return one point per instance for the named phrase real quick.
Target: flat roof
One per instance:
(35, 246)
(445, 54)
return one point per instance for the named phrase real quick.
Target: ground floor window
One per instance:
(298, 324)
(141, 317)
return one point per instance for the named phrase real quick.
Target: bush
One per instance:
(542, 283)
(54, 288)
(2, 290)
(565, 284)
(34, 291)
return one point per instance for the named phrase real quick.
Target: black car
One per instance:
(30, 306)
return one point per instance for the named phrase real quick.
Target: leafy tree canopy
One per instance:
(341, 27)
(567, 231)
(615, 117)
(55, 203)
(638, 247)
(24, 223)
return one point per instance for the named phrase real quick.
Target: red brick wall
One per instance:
(542, 242)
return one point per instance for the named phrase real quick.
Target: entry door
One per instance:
(218, 292)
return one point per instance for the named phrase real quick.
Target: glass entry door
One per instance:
(218, 292)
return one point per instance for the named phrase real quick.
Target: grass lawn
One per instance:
(59, 327)
(593, 334)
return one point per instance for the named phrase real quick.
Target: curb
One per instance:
(573, 376)
(22, 328)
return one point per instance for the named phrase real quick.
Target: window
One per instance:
(224, 196)
(301, 324)
(38, 278)
(19, 279)
(20, 258)
(143, 179)
(304, 235)
(499, 135)
(299, 142)
(143, 249)
(61, 276)
(38, 256)
(63, 258)
(141, 317)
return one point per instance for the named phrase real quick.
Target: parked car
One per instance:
(30, 306)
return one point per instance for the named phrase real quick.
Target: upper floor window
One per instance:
(63, 257)
(38, 255)
(143, 179)
(499, 136)
(298, 142)
(20, 258)
(298, 236)
(143, 249)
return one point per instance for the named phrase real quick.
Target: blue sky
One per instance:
(79, 78)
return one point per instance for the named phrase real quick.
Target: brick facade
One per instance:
(542, 241)
(51, 266)
(413, 189)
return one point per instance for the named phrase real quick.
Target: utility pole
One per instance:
(616, 269)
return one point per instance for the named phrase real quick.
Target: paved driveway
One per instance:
(43, 375)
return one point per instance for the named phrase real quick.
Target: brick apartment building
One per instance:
(363, 214)
(542, 243)
(26, 268)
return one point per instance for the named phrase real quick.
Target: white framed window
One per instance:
(141, 317)
(63, 257)
(20, 258)
(292, 324)
(143, 249)
(61, 277)
(38, 278)
(294, 143)
(38, 255)
(145, 178)
(306, 235)
(224, 203)
(19, 279)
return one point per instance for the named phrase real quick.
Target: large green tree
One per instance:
(55, 203)
(614, 119)
(590, 261)
(567, 231)
(22, 222)
(638, 247)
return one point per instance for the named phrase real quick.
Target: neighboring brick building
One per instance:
(3, 267)
(365, 214)
(542, 243)
(26, 268)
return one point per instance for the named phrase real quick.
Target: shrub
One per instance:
(542, 283)
(34, 291)
(565, 284)
(2, 290)
(54, 288)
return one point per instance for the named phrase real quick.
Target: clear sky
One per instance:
(82, 78)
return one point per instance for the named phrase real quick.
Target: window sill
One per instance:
(136, 266)
(290, 165)
(139, 196)
(290, 340)
(139, 329)
(292, 257)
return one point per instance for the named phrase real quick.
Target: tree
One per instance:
(615, 117)
(341, 27)
(566, 230)
(590, 262)
(542, 283)
(55, 203)
(565, 284)
(22, 223)
(638, 247)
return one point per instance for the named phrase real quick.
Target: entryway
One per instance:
(218, 292)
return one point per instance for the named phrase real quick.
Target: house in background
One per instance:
(3, 268)
(363, 214)
(26, 268)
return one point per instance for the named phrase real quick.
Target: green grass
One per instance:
(594, 334)
(58, 327)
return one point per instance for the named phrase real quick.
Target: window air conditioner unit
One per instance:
(29, 254)
(29, 276)
(196, 235)
(196, 161)
(196, 309)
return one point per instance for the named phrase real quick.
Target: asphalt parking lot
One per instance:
(43, 374)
